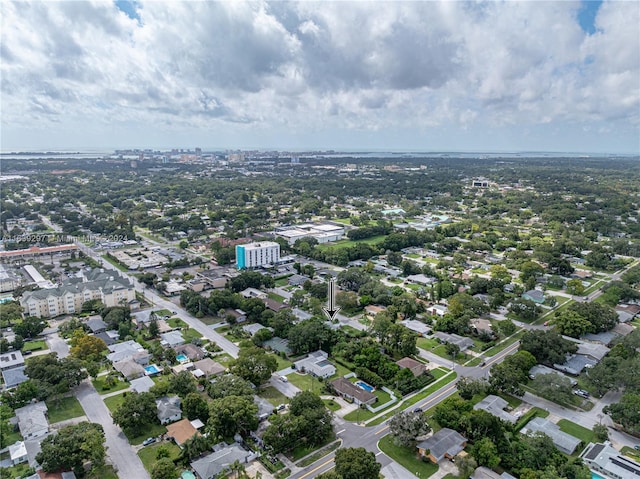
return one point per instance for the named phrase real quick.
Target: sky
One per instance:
(367, 75)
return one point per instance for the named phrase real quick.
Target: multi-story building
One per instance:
(256, 255)
(68, 298)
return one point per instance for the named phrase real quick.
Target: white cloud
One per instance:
(313, 66)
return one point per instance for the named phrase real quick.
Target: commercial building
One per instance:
(257, 255)
(323, 233)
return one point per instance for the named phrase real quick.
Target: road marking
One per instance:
(314, 470)
(340, 432)
(379, 453)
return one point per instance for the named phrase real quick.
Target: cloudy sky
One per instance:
(419, 75)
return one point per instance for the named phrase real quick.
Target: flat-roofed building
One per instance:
(256, 255)
(608, 461)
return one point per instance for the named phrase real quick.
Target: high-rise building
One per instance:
(255, 255)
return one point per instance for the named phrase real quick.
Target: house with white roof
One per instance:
(316, 363)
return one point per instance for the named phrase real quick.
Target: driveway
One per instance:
(58, 345)
(125, 461)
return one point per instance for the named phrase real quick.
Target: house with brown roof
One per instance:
(193, 352)
(351, 392)
(181, 431)
(416, 367)
(209, 367)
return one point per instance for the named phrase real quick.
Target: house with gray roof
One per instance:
(211, 465)
(541, 369)
(32, 420)
(495, 406)
(416, 326)
(142, 384)
(575, 363)
(13, 377)
(606, 460)
(460, 341)
(278, 344)
(129, 368)
(444, 443)
(316, 363)
(18, 453)
(253, 328)
(97, 325)
(172, 339)
(534, 295)
(12, 359)
(563, 441)
(127, 350)
(169, 409)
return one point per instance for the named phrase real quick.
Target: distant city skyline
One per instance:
(424, 76)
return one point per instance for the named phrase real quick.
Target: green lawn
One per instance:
(274, 396)
(427, 343)
(407, 458)
(150, 430)
(276, 297)
(11, 438)
(348, 243)
(175, 322)
(100, 386)
(148, 454)
(301, 451)
(190, 334)
(15, 471)
(582, 433)
(282, 363)
(439, 372)
(113, 402)
(331, 404)
(282, 282)
(503, 345)
(34, 346)
(305, 382)
(533, 412)
(223, 359)
(63, 409)
(104, 472)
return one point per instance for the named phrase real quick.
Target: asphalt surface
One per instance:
(124, 459)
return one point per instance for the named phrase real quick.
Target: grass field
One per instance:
(34, 345)
(100, 386)
(224, 359)
(348, 243)
(190, 334)
(104, 472)
(150, 430)
(302, 451)
(276, 297)
(148, 454)
(582, 433)
(305, 382)
(114, 402)
(407, 458)
(63, 409)
(282, 363)
(331, 404)
(274, 396)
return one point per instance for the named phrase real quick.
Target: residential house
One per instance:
(278, 344)
(253, 328)
(210, 466)
(13, 377)
(416, 326)
(481, 325)
(316, 363)
(10, 360)
(372, 310)
(421, 279)
(345, 388)
(128, 350)
(253, 293)
(626, 312)
(534, 295)
(169, 409)
(444, 443)
(18, 453)
(129, 369)
(437, 310)
(606, 460)
(462, 342)
(96, 325)
(274, 305)
(495, 406)
(539, 369)
(171, 339)
(181, 431)
(208, 367)
(32, 420)
(193, 352)
(563, 441)
(237, 315)
(416, 367)
(142, 384)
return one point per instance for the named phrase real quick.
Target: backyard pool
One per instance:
(595, 475)
(152, 369)
(182, 358)
(365, 386)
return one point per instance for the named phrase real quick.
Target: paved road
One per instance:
(58, 345)
(124, 459)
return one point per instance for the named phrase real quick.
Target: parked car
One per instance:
(582, 393)
(418, 409)
(149, 440)
(284, 379)
(281, 407)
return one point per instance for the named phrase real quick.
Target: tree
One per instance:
(601, 316)
(154, 329)
(229, 385)
(464, 304)
(452, 350)
(524, 309)
(232, 414)
(505, 328)
(30, 327)
(466, 466)
(72, 447)
(601, 432)
(304, 401)
(548, 347)
(407, 426)
(469, 387)
(195, 406)
(55, 376)
(87, 348)
(136, 411)
(254, 365)
(164, 468)
(514, 370)
(486, 453)
(575, 286)
(356, 463)
(570, 323)
(310, 335)
(553, 387)
(625, 412)
(182, 383)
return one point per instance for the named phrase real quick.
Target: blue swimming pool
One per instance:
(595, 475)
(182, 358)
(365, 386)
(152, 369)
